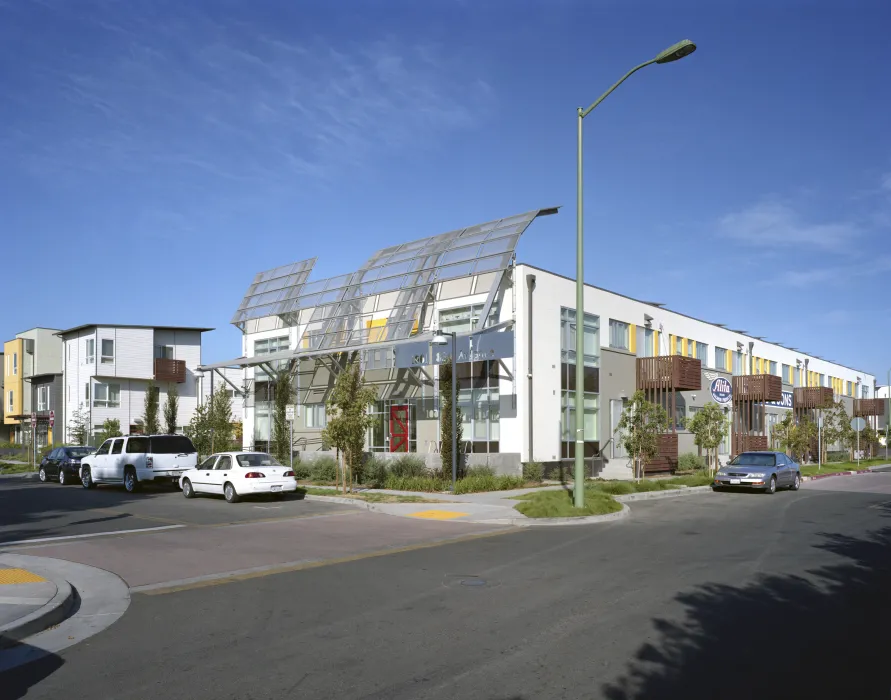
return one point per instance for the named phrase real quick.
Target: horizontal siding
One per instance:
(134, 353)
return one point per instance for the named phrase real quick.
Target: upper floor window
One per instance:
(90, 351)
(462, 319)
(15, 363)
(107, 351)
(618, 334)
(316, 416)
(43, 398)
(568, 338)
(267, 346)
(9, 401)
(864, 390)
(737, 363)
(164, 352)
(646, 342)
(720, 358)
(678, 345)
(701, 352)
(771, 367)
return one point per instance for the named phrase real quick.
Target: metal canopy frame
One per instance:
(271, 289)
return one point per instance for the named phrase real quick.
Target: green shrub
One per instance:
(302, 470)
(374, 472)
(488, 482)
(533, 471)
(408, 465)
(426, 484)
(690, 461)
(323, 469)
(837, 456)
(481, 470)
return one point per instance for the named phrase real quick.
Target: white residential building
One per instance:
(108, 367)
(229, 378)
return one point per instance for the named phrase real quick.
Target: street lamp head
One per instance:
(440, 340)
(676, 52)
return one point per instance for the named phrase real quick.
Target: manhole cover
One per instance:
(473, 582)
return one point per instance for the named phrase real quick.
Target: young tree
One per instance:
(150, 410)
(801, 437)
(836, 427)
(110, 428)
(445, 420)
(200, 428)
(348, 417)
(79, 426)
(641, 425)
(781, 435)
(709, 427)
(171, 409)
(221, 420)
(281, 435)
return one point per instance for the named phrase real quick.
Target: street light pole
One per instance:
(888, 413)
(672, 53)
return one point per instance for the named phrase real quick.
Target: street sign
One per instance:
(52, 418)
(289, 413)
(858, 424)
(486, 346)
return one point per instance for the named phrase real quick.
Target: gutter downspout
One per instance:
(530, 285)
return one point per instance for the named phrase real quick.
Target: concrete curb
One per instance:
(878, 468)
(668, 493)
(548, 522)
(54, 612)
(358, 502)
(19, 475)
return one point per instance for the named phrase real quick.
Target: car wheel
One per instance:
(230, 493)
(86, 478)
(63, 480)
(188, 491)
(797, 483)
(131, 483)
(772, 486)
(41, 474)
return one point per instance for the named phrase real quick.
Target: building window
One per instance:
(316, 416)
(107, 351)
(15, 363)
(771, 367)
(43, 398)
(702, 353)
(90, 354)
(87, 393)
(618, 335)
(568, 427)
(268, 346)
(9, 401)
(616, 407)
(646, 342)
(720, 358)
(460, 320)
(164, 352)
(107, 395)
(678, 345)
(737, 363)
(591, 340)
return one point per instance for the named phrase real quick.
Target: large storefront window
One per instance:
(395, 427)
(479, 400)
(591, 381)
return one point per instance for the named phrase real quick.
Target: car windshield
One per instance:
(754, 459)
(78, 451)
(172, 445)
(257, 459)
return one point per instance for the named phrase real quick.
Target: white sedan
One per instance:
(237, 474)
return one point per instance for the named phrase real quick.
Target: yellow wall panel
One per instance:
(685, 346)
(632, 339)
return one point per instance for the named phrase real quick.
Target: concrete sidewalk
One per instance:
(30, 601)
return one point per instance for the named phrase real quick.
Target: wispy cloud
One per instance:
(853, 274)
(774, 224)
(886, 182)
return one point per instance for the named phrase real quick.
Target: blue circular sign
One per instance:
(721, 390)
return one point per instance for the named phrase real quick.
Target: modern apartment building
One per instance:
(516, 326)
(107, 369)
(232, 382)
(32, 386)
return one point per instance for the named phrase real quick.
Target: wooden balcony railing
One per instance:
(748, 443)
(667, 458)
(757, 388)
(869, 407)
(812, 397)
(170, 370)
(669, 372)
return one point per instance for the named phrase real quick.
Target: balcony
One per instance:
(812, 397)
(869, 407)
(757, 388)
(748, 443)
(170, 370)
(669, 373)
(666, 459)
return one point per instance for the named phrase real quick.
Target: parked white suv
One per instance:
(134, 459)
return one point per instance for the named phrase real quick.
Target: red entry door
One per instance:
(398, 428)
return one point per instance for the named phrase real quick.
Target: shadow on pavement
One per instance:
(823, 635)
(16, 682)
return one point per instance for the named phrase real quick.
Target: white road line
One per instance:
(38, 540)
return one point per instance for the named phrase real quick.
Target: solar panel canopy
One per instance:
(405, 273)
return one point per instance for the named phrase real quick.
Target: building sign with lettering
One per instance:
(721, 390)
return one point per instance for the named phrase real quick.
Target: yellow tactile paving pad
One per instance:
(19, 576)
(438, 514)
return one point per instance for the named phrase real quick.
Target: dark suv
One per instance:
(63, 464)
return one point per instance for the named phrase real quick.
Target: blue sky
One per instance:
(156, 155)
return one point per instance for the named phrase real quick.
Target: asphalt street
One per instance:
(729, 595)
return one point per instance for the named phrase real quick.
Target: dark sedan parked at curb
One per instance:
(765, 471)
(62, 464)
